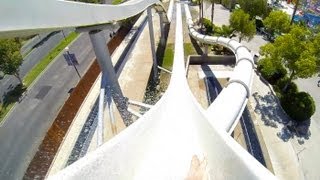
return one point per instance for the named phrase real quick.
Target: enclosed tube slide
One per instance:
(169, 140)
(227, 108)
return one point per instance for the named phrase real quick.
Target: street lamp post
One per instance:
(63, 35)
(70, 58)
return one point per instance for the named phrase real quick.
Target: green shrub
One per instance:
(195, 2)
(208, 25)
(115, 2)
(224, 30)
(271, 72)
(299, 106)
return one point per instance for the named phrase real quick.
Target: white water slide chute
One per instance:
(176, 133)
(19, 18)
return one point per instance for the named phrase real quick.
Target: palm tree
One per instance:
(212, 9)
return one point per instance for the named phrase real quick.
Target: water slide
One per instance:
(176, 138)
(227, 108)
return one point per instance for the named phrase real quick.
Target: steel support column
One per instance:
(162, 38)
(152, 43)
(104, 59)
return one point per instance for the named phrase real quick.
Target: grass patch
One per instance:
(16, 94)
(189, 49)
(115, 2)
(169, 53)
(168, 56)
(35, 71)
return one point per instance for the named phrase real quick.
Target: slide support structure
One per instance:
(152, 44)
(104, 60)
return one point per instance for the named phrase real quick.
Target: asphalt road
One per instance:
(40, 51)
(26, 125)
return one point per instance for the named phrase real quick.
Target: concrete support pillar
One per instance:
(206, 49)
(162, 38)
(104, 59)
(152, 43)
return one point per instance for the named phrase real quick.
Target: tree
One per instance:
(277, 22)
(241, 23)
(10, 57)
(316, 44)
(254, 7)
(295, 51)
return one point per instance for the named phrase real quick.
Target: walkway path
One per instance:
(271, 119)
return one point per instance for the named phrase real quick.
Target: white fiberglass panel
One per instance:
(25, 17)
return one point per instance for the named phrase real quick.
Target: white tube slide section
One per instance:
(227, 108)
(163, 142)
(19, 18)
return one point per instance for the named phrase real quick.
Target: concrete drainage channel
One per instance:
(250, 135)
(87, 132)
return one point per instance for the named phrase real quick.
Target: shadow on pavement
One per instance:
(272, 115)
